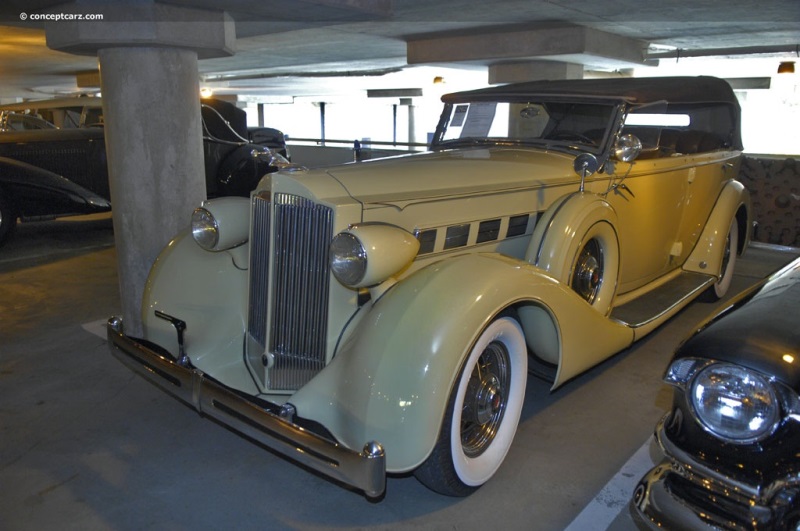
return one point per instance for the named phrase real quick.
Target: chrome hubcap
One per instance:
(485, 400)
(588, 276)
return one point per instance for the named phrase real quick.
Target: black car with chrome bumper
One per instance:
(732, 439)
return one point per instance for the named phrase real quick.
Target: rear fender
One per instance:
(556, 237)
(390, 381)
(733, 203)
(564, 230)
(28, 184)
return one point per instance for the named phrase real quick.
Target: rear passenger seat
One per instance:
(683, 142)
(697, 142)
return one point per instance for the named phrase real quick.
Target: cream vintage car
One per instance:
(382, 317)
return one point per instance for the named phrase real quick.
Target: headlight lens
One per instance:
(348, 259)
(205, 229)
(734, 403)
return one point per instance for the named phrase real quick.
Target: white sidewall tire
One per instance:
(478, 470)
(726, 275)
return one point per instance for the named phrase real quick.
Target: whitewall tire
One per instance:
(483, 412)
(721, 286)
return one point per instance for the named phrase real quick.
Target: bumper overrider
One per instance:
(683, 493)
(365, 470)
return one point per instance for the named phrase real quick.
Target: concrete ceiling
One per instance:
(325, 47)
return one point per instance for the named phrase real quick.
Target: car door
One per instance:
(649, 197)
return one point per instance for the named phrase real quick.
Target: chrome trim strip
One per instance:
(365, 470)
(660, 505)
(694, 469)
(259, 270)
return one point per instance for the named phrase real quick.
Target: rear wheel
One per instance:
(721, 286)
(482, 413)
(8, 220)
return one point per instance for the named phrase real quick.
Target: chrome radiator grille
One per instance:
(289, 281)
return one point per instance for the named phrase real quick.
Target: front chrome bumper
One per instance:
(365, 470)
(682, 493)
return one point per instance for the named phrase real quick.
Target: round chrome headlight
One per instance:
(348, 259)
(734, 403)
(222, 223)
(369, 254)
(205, 229)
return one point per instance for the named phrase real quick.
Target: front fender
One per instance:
(390, 381)
(241, 170)
(208, 291)
(39, 191)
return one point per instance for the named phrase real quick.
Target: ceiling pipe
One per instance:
(779, 50)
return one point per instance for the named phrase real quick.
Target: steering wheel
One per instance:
(571, 135)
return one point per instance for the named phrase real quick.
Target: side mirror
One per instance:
(627, 148)
(585, 165)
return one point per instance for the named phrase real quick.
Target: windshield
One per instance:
(576, 125)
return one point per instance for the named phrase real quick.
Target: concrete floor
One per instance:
(85, 444)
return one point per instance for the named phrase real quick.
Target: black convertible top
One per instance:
(706, 96)
(683, 90)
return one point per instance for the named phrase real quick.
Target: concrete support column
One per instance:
(148, 55)
(155, 155)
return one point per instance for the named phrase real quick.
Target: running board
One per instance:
(652, 309)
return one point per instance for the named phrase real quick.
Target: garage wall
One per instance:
(774, 184)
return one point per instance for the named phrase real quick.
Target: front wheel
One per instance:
(482, 413)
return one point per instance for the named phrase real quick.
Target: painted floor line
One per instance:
(97, 328)
(616, 495)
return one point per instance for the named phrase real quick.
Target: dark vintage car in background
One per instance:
(62, 170)
(732, 439)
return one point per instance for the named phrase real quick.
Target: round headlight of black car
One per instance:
(735, 404)
(348, 259)
(205, 229)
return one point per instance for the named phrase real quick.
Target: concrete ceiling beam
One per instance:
(571, 44)
(142, 24)
(533, 71)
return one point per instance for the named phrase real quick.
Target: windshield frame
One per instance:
(618, 107)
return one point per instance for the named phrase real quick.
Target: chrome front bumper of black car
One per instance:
(682, 493)
(365, 470)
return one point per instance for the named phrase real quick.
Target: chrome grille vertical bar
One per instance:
(302, 232)
(259, 270)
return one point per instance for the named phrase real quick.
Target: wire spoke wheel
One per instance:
(486, 399)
